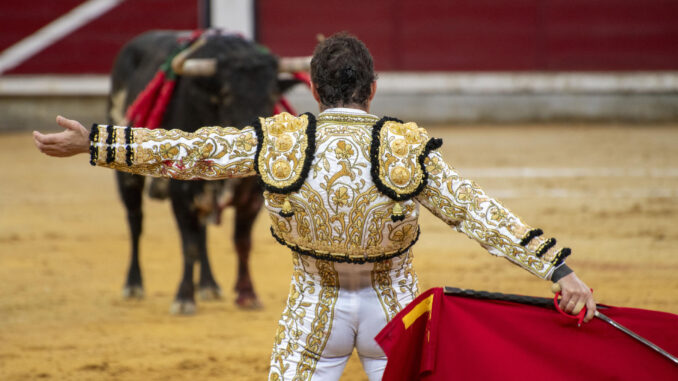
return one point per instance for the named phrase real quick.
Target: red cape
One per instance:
(446, 337)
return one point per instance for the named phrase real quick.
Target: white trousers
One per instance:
(333, 308)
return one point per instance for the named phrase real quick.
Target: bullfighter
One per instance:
(343, 191)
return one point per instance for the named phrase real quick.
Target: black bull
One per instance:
(244, 86)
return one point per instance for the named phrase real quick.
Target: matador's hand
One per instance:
(575, 295)
(72, 141)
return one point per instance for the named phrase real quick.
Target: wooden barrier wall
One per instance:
(430, 35)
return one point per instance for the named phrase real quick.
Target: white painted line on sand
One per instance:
(625, 193)
(565, 172)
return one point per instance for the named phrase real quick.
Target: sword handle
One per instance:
(579, 317)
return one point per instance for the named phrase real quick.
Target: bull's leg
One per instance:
(193, 242)
(208, 287)
(207, 202)
(248, 201)
(131, 189)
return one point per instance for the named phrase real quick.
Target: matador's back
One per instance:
(345, 187)
(328, 183)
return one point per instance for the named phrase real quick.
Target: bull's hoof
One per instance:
(182, 307)
(210, 293)
(133, 292)
(248, 302)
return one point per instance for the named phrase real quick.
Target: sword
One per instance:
(556, 289)
(549, 303)
(636, 336)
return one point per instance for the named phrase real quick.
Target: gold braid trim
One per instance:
(382, 284)
(282, 151)
(322, 323)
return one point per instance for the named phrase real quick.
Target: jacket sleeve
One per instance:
(466, 208)
(208, 153)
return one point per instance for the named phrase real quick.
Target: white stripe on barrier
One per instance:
(52, 85)
(54, 31)
(527, 83)
(436, 83)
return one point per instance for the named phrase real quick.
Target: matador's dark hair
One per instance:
(342, 71)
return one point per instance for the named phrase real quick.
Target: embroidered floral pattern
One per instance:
(287, 146)
(464, 206)
(397, 156)
(208, 153)
(338, 213)
(306, 321)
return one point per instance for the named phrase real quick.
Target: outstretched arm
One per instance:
(208, 153)
(466, 208)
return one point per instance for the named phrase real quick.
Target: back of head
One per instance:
(342, 71)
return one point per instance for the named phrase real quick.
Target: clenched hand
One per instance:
(575, 295)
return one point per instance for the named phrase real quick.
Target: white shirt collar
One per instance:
(344, 110)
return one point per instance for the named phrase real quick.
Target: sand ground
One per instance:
(609, 192)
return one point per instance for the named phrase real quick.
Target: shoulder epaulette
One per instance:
(397, 156)
(284, 153)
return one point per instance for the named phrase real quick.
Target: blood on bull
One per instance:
(183, 80)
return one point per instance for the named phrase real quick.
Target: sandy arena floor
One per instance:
(609, 192)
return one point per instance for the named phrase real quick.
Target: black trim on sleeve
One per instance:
(110, 150)
(530, 235)
(128, 145)
(545, 247)
(93, 140)
(562, 254)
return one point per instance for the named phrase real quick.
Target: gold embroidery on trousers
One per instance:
(290, 330)
(382, 284)
(322, 323)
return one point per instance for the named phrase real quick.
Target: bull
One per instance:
(222, 80)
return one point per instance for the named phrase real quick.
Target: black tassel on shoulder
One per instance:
(398, 213)
(286, 210)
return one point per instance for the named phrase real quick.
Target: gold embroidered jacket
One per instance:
(346, 187)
